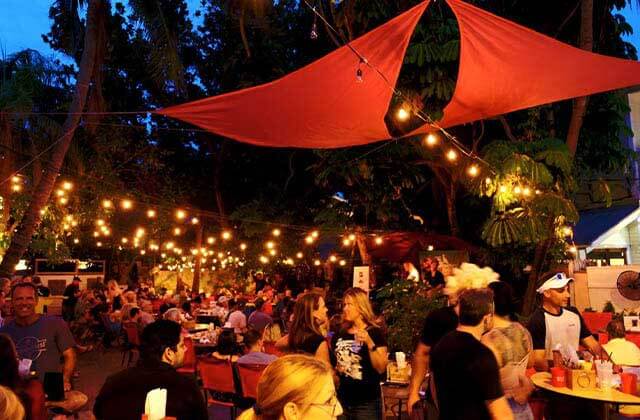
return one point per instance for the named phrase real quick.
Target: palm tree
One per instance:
(22, 237)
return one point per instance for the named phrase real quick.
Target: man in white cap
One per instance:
(556, 324)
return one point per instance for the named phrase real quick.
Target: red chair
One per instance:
(190, 361)
(217, 381)
(133, 342)
(249, 375)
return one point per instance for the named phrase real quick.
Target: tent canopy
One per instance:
(504, 67)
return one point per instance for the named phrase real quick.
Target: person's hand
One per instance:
(363, 337)
(414, 397)
(67, 386)
(521, 394)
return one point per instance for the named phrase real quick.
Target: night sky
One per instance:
(23, 22)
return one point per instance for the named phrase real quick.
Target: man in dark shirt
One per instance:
(124, 394)
(432, 275)
(466, 376)
(437, 323)
(70, 296)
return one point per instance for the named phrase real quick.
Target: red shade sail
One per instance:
(321, 105)
(504, 67)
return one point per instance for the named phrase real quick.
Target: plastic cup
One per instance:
(629, 383)
(558, 377)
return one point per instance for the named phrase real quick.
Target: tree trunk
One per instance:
(195, 286)
(6, 169)
(361, 241)
(217, 177)
(580, 104)
(534, 277)
(450, 193)
(21, 239)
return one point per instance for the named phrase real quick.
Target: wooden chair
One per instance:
(218, 382)
(132, 346)
(249, 375)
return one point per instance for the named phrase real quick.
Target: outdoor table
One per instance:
(203, 348)
(199, 327)
(395, 391)
(609, 396)
(208, 319)
(72, 403)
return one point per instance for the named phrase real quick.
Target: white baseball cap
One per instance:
(556, 282)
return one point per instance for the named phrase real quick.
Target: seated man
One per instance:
(44, 340)
(622, 351)
(254, 345)
(123, 395)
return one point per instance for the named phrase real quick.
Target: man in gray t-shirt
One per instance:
(42, 339)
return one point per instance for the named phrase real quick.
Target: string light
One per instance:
(16, 179)
(100, 222)
(276, 232)
(124, 240)
(96, 234)
(211, 240)
(430, 248)
(140, 232)
(63, 200)
(60, 193)
(107, 204)
(346, 242)
(272, 252)
(503, 189)
(402, 114)
(180, 214)
(431, 139)
(243, 246)
(309, 239)
(195, 221)
(226, 235)
(263, 259)
(333, 258)
(299, 255)
(517, 190)
(142, 252)
(352, 237)
(98, 244)
(452, 155)
(76, 241)
(269, 245)
(342, 263)
(378, 240)
(67, 185)
(169, 245)
(16, 187)
(177, 231)
(126, 204)
(473, 170)
(151, 213)
(315, 234)
(526, 191)
(316, 262)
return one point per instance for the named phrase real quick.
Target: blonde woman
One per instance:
(295, 387)
(114, 295)
(10, 406)
(360, 352)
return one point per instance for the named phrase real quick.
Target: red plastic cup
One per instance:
(558, 377)
(629, 383)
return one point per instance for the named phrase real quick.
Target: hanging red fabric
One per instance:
(506, 67)
(321, 105)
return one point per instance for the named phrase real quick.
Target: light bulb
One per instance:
(126, 204)
(276, 232)
(402, 114)
(299, 255)
(151, 213)
(378, 240)
(180, 214)
(452, 155)
(473, 170)
(243, 246)
(431, 139)
(226, 235)
(107, 204)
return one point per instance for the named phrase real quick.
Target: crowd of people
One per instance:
(323, 360)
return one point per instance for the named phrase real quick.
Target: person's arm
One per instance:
(419, 369)
(322, 353)
(540, 362)
(379, 357)
(499, 409)
(283, 343)
(68, 367)
(594, 347)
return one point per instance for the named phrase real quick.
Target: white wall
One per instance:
(603, 287)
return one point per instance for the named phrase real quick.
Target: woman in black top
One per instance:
(360, 354)
(308, 329)
(227, 347)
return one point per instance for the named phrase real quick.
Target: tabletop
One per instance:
(73, 401)
(610, 395)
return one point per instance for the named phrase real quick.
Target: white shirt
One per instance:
(237, 321)
(623, 352)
